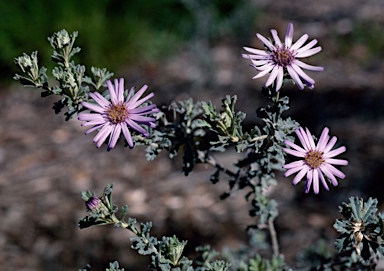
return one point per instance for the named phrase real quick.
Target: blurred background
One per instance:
(181, 49)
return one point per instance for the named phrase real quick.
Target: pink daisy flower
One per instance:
(284, 57)
(317, 160)
(111, 117)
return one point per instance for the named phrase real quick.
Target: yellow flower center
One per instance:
(314, 158)
(283, 57)
(117, 113)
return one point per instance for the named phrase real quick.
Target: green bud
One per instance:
(175, 249)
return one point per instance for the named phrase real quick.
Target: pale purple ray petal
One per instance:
(136, 127)
(266, 42)
(334, 171)
(324, 182)
(295, 77)
(299, 176)
(276, 37)
(112, 92)
(139, 102)
(294, 146)
(279, 79)
(309, 180)
(142, 119)
(316, 181)
(294, 164)
(89, 116)
(96, 127)
(93, 107)
(299, 42)
(339, 162)
(261, 64)
(262, 73)
(302, 74)
(294, 153)
(102, 135)
(93, 122)
(303, 138)
(256, 51)
(114, 137)
(267, 67)
(307, 46)
(137, 95)
(127, 136)
(120, 91)
(272, 76)
(293, 170)
(99, 99)
(330, 144)
(326, 171)
(143, 109)
(310, 139)
(335, 152)
(307, 53)
(323, 139)
(289, 35)
(307, 66)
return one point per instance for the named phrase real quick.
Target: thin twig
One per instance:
(272, 232)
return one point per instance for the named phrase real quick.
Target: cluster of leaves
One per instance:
(361, 232)
(73, 85)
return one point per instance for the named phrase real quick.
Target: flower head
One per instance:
(111, 117)
(93, 203)
(317, 160)
(284, 57)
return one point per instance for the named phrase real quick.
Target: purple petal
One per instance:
(93, 107)
(102, 135)
(266, 42)
(293, 170)
(307, 53)
(294, 146)
(308, 67)
(298, 163)
(323, 139)
(324, 182)
(114, 137)
(127, 136)
(272, 76)
(302, 74)
(276, 37)
(262, 73)
(112, 92)
(137, 95)
(334, 171)
(307, 47)
(99, 99)
(300, 176)
(289, 35)
(256, 51)
(136, 127)
(294, 153)
(309, 180)
(299, 42)
(330, 144)
(339, 162)
(325, 169)
(279, 79)
(295, 77)
(335, 152)
(316, 181)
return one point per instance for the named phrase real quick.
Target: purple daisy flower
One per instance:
(317, 160)
(112, 117)
(281, 57)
